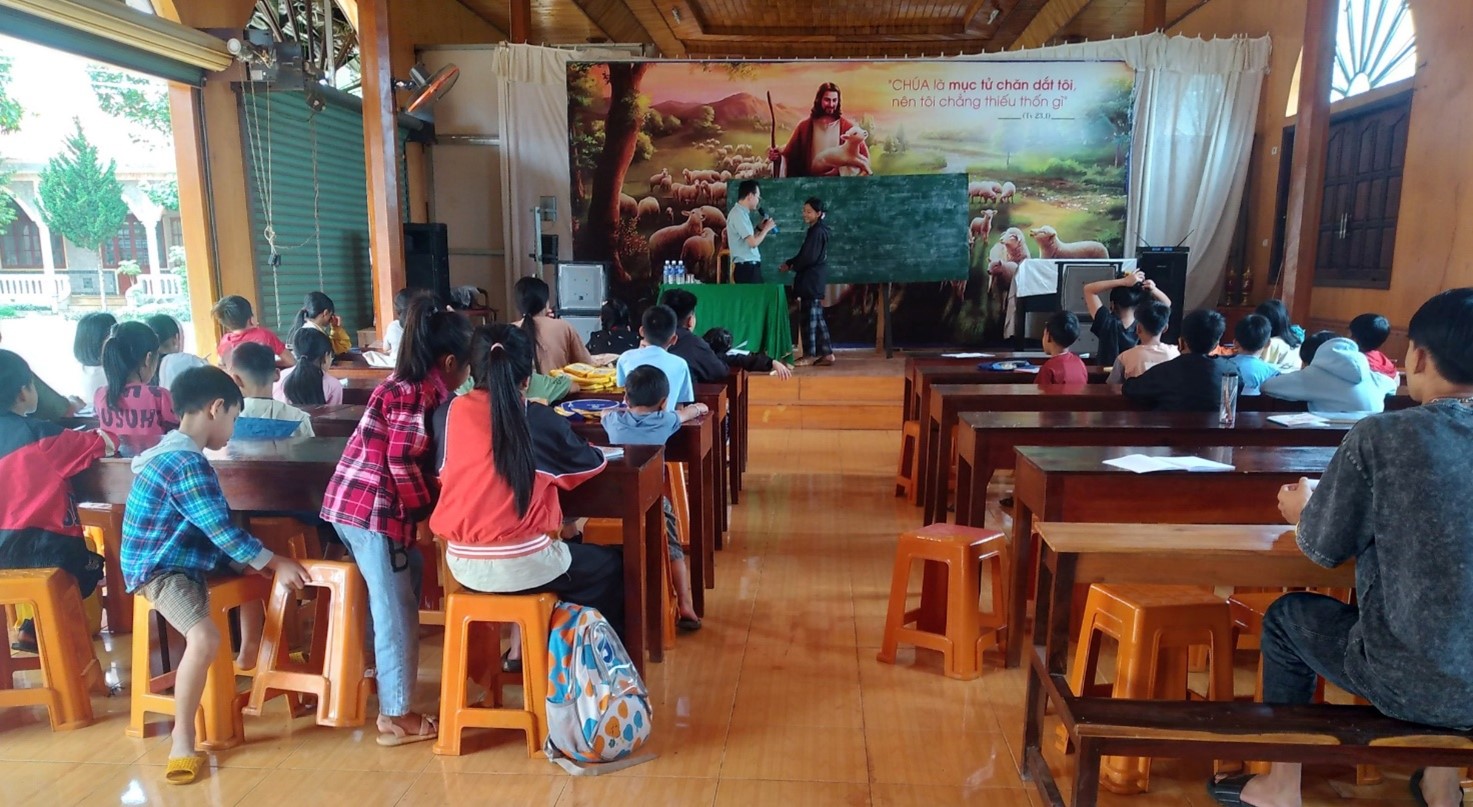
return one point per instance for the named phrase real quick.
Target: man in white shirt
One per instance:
(742, 238)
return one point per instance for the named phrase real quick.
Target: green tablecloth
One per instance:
(755, 313)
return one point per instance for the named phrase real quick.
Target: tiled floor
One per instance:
(778, 701)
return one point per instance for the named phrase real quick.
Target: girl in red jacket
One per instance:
(504, 460)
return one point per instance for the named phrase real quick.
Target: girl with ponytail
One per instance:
(318, 312)
(502, 462)
(380, 493)
(130, 404)
(557, 344)
(308, 384)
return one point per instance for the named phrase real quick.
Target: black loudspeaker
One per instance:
(427, 259)
(549, 248)
(1167, 268)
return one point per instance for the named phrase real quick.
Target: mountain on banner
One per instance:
(734, 110)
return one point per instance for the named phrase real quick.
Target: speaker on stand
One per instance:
(1167, 268)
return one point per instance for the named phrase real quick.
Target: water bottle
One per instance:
(1227, 409)
(667, 273)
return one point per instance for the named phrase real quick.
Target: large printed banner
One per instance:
(654, 146)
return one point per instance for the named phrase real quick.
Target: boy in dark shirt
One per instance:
(1192, 382)
(1394, 501)
(1116, 328)
(618, 335)
(1063, 367)
(720, 341)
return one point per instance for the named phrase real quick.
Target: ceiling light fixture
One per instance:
(675, 14)
(992, 18)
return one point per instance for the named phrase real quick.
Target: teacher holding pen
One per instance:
(810, 267)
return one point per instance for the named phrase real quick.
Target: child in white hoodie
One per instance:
(1336, 378)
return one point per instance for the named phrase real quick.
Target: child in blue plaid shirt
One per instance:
(177, 531)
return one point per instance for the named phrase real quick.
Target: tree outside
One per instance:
(10, 114)
(81, 199)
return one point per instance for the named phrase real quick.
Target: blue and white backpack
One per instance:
(598, 710)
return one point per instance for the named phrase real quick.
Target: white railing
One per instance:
(150, 285)
(28, 289)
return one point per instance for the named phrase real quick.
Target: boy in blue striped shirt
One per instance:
(177, 532)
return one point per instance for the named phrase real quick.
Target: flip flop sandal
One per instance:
(183, 770)
(1415, 786)
(687, 625)
(826, 361)
(25, 646)
(509, 664)
(1228, 791)
(396, 735)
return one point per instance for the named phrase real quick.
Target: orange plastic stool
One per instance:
(337, 647)
(1154, 626)
(950, 618)
(905, 475)
(465, 611)
(105, 521)
(66, 660)
(218, 723)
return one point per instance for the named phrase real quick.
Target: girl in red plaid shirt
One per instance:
(383, 487)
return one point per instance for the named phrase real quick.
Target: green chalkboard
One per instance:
(886, 229)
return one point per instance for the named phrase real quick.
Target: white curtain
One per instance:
(1195, 112)
(1196, 107)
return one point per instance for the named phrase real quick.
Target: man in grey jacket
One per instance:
(1394, 500)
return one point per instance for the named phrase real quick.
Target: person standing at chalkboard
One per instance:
(742, 238)
(810, 267)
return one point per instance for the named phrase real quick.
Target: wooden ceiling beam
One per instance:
(835, 47)
(1154, 16)
(657, 25)
(615, 20)
(942, 28)
(520, 13)
(1051, 19)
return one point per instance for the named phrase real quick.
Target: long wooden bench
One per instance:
(1315, 733)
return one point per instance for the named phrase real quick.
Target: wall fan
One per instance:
(425, 89)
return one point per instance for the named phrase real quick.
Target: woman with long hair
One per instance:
(1283, 347)
(319, 313)
(556, 342)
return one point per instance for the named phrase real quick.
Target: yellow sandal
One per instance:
(183, 770)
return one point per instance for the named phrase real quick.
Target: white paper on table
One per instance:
(375, 359)
(1341, 417)
(965, 355)
(1298, 419)
(1143, 464)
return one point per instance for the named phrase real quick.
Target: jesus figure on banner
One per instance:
(825, 143)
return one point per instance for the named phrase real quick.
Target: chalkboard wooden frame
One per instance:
(901, 228)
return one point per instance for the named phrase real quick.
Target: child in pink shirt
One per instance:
(130, 406)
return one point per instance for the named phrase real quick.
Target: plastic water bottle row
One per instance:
(676, 275)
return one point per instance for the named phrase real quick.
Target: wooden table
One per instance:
(334, 420)
(358, 389)
(985, 440)
(292, 475)
(928, 376)
(1213, 555)
(949, 400)
(737, 383)
(1074, 485)
(692, 445)
(937, 358)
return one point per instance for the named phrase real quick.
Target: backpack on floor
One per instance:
(598, 710)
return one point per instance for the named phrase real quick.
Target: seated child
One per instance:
(645, 421)
(235, 315)
(720, 341)
(658, 333)
(38, 515)
(499, 511)
(1336, 378)
(705, 366)
(92, 331)
(319, 313)
(1252, 334)
(1191, 382)
(1064, 367)
(50, 405)
(261, 416)
(172, 358)
(1115, 327)
(177, 532)
(307, 382)
(1370, 332)
(1284, 344)
(131, 405)
(617, 335)
(1151, 319)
